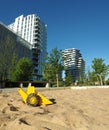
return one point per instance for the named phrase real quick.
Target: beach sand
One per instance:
(86, 109)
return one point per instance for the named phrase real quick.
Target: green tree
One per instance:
(91, 78)
(13, 66)
(23, 71)
(7, 48)
(100, 69)
(53, 66)
(68, 79)
(48, 72)
(107, 81)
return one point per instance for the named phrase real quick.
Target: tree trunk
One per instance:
(57, 79)
(101, 81)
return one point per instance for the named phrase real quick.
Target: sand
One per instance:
(72, 110)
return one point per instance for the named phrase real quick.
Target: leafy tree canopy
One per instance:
(23, 70)
(100, 69)
(53, 66)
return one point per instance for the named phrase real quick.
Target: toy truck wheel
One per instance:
(32, 100)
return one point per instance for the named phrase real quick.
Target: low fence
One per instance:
(12, 84)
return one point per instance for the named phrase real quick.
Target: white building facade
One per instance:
(74, 63)
(33, 30)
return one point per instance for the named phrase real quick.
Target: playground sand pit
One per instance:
(86, 109)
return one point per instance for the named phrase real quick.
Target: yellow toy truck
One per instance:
(32, 97)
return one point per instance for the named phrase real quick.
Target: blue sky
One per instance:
(81, 24)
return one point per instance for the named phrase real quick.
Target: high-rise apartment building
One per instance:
(33, 30)
(74, 63)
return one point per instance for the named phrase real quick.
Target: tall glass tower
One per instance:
(33, 30)
(74, 63)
